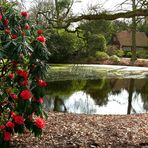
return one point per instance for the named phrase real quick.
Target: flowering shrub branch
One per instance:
(23, 68)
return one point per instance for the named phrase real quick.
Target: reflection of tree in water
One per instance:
(130, 91)
(144, 95)
(58, 91)
(65, 88)
(98, 90)
(116, 92)
(134, 87)
(140, 87)
(59, 104)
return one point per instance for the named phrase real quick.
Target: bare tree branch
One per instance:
(104, 16)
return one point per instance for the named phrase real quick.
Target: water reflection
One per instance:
(101, 96)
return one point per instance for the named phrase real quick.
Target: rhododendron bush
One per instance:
(23, 68)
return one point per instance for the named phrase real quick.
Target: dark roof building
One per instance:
(124, 40)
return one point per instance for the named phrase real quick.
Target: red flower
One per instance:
(22, 73)
(7, 31)
(24, 14)
(1, 17)
(13, 36)
(23, 83)
(26, 27)
(7, 136)
(14, 96)
(2, 127)
(42, 83)
(40, 31)
(39, 122)
(41, 100)
(6, 22)
(25, 95)
(10, 124)
(13, 114)
(41, 39)
(11, 76)
(19, 120)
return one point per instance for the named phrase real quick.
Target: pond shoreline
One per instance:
(57, 72)
(67, 130)
(122, 62)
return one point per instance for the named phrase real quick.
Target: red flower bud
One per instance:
(22, 73)
(40, 31)
(13, 36)
(14, 96)
(6, 22)
(41, 39)
(2, 127)
(41, 100)
(23, 83)
(39, 122)
(13, 114)
(25, 95)
(1, 17)
(42, 83)
(26, 27)
(24, 14)
(7, 31)
(19, 120)
(7, 136)
(10, 124)
(11, 76)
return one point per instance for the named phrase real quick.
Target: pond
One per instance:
(98, 96)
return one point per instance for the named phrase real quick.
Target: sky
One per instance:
(81, 7)
(110, 5)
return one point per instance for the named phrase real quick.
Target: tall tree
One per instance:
(135, 5)
(134, 25)
(143, 26)
(98, 27)
(60, 15)
(120, 25)
(53, 12)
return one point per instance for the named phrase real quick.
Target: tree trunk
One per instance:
(57, 9)
(131, 90)
(134, 25)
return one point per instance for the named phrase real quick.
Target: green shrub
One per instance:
(127, 54)
(96, 43)
(119, 53)
(115, 59)
(90, 59)
(64, 46)
(110, 50)
(102, 55)
(142, 54)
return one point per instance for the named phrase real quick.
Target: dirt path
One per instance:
(64, 130)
